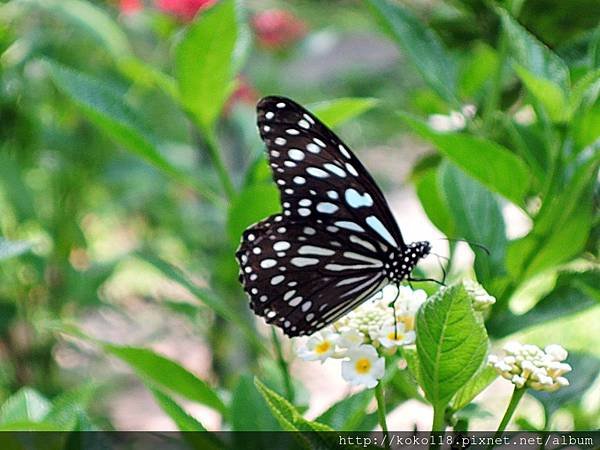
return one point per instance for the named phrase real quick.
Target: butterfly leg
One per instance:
(441, 283)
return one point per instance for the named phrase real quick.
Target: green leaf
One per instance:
(533, 55)
(481, 380)
(547, 93)
(420, 44)
(574, 292)
(204, 62)
(433, 202)
(104, 106)
(245, 397)
(478, 218)
(348, 414)
(180, 417)
(167, 374)
(254, 203)
(206, 296)
(26, 405)
(586, 369)
(90, 19)
(451, 344)
(335, 112)
(9, 249)
(495, 166)
(412, 360)
(286, 414)
(478, 70)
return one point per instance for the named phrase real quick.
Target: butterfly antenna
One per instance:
(474, 244)
(439, 259)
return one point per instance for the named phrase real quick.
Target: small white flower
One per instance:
(350, 338)
(390, 336)
(527, 365)
(320, 346)
(364, 366)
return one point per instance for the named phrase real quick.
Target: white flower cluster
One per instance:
(481, 300)
(527, 365)
(455, 121)
(363, 335)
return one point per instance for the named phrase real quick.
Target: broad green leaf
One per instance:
(547, 93)
(167, 374)
(347, 414)
(585, 92)
(105, 107)
(204, 295)
(586, 369)
(495, 166)
(148, 75)
(8, 249)
(16, 191)
(420, 44)
(253, 204)
(335, 112)
(26, 405)
(478, 218)
(204, 62)
(594, 49)
(90, 19)
(451, 344)
(412, 360)
(574, 292)
(533, 55)
(433, 202)
(481, 380)
(180, 417)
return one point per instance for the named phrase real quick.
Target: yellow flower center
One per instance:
(395, 336)
(363, 365)
(323, 347)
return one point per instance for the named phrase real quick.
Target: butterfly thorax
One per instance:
(401, 262)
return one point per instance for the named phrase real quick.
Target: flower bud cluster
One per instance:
(527, 365)
(481, 300)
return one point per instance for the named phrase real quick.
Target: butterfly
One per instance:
(336, 242)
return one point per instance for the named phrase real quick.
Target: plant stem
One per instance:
(215, 156)
(512, 405)
(283, 366)
(381, 413)
(438, 426)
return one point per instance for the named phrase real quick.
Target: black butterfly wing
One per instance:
(319, 178)
(303, 276)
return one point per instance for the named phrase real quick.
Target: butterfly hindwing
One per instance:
(291, 271)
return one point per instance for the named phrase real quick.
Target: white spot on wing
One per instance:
(344, 151)
(313, 250)
(356, 200)
(268, 263)
(349, 225)
(302, 262)
(380, 229)
(335, 169)
(327, 208)
(280, 141)
(296, 154)
(281, 246)
(316, 172)
(313, 148)
(277, 279)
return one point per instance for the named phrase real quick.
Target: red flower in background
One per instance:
(130, 6)
(243, 93)
(184, 9)
(276, 29)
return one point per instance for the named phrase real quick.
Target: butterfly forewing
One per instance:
(318, 175)
(291, 270)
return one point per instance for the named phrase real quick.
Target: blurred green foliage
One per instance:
(121, 140)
